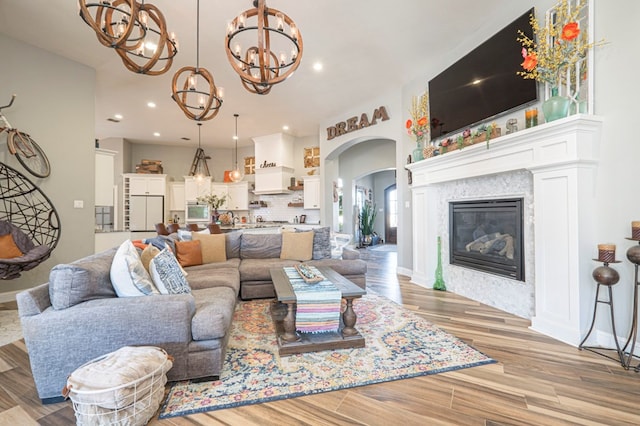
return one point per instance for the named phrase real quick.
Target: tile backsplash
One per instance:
(278, 209)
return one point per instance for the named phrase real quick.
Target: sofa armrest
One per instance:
(350, 254)
(59, 341)
(33, 301)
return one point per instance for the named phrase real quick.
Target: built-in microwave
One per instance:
(198, 213)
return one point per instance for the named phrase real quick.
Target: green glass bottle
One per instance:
(439, 283)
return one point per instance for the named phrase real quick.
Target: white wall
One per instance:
(616, 69)
(55, 105)
(354, 170)
(367, 161)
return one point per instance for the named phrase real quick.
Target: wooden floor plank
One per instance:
(536, 381)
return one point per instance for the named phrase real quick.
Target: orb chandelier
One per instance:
(198, 97)
(237, 174)
(137, 31)
(263, 53)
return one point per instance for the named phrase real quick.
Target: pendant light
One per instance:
(272, 50)
(198, 97)
(137, 32)
(199, 167)
(236, 174)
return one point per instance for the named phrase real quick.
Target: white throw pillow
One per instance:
(167, 274)
(128, 275)
(184, 235)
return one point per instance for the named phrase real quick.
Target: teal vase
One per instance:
(556, 106)
(439, 283)
(417, 153)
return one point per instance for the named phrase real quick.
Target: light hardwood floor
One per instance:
(537, 380)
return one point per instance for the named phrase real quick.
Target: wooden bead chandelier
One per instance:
(198, 97)
(137, 31)
(271, 53)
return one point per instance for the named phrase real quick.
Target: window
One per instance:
(393, 208)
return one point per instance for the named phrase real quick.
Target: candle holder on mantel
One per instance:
(607, 276)
(633, 254)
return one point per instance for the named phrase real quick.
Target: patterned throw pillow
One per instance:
(167, 274)
(128, 275)
(322, 243)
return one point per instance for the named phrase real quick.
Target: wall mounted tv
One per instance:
(483, 84)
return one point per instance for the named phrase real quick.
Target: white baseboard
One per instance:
(404, 271)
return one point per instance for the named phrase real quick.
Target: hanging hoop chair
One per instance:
(28, 215)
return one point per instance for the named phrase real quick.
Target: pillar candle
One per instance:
(606, 252)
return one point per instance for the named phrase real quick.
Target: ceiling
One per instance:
(367, 47)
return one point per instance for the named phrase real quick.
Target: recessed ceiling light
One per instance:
(317, 66)
(151, 104)
(118, 116)
(285, 127)
(156, 134)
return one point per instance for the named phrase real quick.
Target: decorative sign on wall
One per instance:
(266, 164)
(249, 165)
(352, 124)
(312, 157)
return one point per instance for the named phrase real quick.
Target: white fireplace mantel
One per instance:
(562, 157)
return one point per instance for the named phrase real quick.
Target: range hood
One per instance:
(274, 163)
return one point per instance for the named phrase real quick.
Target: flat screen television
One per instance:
(483, 84)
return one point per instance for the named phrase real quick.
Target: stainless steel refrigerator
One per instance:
(145, 211)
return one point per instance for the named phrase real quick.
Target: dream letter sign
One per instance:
(352, 124)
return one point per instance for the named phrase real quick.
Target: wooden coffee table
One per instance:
(283, 312)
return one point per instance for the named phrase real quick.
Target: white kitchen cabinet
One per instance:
(312, 192)
(147, 184)
(238, 196)
(221, 190)
(177, 200)
(196, 187)
(104, 177)
(137, 190)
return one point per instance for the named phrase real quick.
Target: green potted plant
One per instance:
(215, 202)
(367, 219)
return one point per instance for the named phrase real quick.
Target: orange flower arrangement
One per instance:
(418, 124)
(556, 47)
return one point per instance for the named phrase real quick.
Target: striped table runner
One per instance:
(318, 305)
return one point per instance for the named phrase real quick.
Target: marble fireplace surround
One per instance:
(553, 167)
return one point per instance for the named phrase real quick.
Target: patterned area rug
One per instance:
(399, 345)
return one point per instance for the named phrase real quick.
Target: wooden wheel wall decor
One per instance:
(137, 31)
(273, 52)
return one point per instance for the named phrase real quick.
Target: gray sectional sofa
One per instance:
(77, 316)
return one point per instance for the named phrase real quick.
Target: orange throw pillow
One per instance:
(8, 247)
(189, 253)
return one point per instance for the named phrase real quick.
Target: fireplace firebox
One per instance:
(487, 235)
